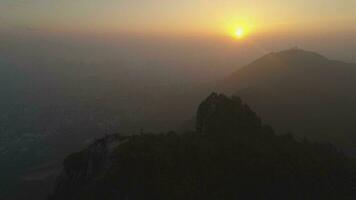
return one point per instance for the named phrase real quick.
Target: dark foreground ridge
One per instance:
(231, 155)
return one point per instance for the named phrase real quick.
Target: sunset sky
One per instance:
(222, 31)
(177, 17)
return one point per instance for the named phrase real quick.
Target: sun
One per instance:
(239, 29)
(239, 32)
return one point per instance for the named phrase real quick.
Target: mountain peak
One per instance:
(287, 67)
(228, 114)
(294, 58)
(295, 55)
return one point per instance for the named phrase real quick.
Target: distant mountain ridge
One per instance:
(301, 91)
(288, 64)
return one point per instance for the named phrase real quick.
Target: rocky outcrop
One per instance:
(219, 113)
(83, 167)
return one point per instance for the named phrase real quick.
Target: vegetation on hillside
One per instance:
(231, 155)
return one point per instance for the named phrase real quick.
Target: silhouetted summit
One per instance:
(220, 113)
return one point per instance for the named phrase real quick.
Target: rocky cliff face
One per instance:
(84, 167)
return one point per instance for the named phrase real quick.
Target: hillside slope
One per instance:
(302, 92)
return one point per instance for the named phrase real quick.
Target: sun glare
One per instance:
(239, 32)
(239, 29)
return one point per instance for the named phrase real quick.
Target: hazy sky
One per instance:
(176, 17)
(37, 30)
